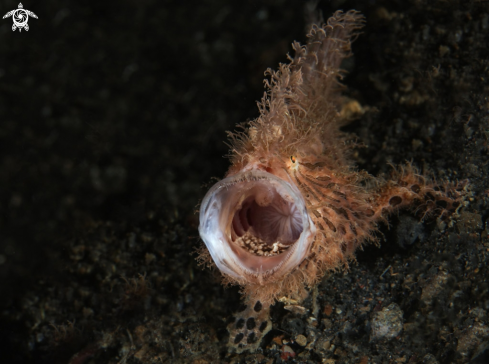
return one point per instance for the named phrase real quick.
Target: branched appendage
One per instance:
(319, 61)
(407, 188)
(299, 110)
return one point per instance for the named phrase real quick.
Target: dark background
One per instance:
(111, 108)
(116, 111)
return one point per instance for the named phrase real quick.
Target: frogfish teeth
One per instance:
(292, 206)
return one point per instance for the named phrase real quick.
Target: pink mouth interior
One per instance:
(267, 216)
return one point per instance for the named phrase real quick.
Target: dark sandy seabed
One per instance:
(112, 125)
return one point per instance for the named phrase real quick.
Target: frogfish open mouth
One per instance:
(256, 226)
(293, 206)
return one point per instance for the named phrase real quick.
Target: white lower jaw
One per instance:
(216, 215)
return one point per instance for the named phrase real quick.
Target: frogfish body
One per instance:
(292, 206)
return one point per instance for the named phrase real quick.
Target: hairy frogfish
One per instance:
(292, 205)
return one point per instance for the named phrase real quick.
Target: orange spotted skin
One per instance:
(297, 137)
(346, 207)
(347, 214)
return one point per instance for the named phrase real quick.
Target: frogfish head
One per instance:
(256, 226)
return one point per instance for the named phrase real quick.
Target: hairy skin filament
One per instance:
(292, 205)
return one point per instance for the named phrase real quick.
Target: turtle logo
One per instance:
(20, 17)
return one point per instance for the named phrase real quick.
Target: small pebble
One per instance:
(387, 324)
(301, 340)
(286, 352)
(328, 309)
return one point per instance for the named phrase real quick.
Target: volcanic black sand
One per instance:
(112, 126)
